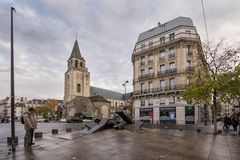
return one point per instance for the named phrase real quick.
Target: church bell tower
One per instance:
(77, 77)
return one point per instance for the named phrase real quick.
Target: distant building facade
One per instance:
(43, 102)
(163, 60)
(36, 103)
(5, 107)
(230, 109)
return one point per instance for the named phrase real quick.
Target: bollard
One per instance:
(198, 130)
(68, 129)
(38, 135)
(9, 140)
(219, 131)
(54, 131)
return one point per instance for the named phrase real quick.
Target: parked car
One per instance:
(87, 120)
(74, 120)
(146, 119)
(219, 118)
(63, 120)
(5, 120)
(42, 120)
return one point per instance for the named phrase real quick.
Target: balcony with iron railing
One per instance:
(164, 89)
(150, 62)
(146, 76)
(171, 56)
(142, 63)
(172, 70)
(181, 35)
(162, 59)
(190, 69)
(189, 53)
(166, 72)
(162, 73)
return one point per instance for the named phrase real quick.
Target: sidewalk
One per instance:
(205, 129)
(149, 144)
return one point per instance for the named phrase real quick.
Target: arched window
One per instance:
(81, 65)
(78, 88)
(76, 64)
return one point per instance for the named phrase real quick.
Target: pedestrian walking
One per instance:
(234, 123)
(30, 124)
(226, 122)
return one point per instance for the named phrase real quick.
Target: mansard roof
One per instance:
(179, 21)
(76, 52)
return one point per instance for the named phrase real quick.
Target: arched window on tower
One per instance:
(78, 88)
(76, 64)
(81, 64)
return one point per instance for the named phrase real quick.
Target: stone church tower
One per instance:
(77, 77)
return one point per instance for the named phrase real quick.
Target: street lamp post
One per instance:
(124, 84)
(125, 89)
(12, 86)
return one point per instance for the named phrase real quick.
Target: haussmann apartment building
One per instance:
(164, 58)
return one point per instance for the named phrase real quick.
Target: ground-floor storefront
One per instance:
(168, 115)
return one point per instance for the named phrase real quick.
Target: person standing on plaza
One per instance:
(30, 124)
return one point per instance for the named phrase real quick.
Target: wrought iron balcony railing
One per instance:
(158, 43)
(150, 61)
(142, 63)
(167, 72)
(190, 69)
(146, 76)
(163, 89)
(161, 59)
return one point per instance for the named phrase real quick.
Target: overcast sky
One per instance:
(107, 30)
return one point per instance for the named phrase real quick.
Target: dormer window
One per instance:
(142, 46)
(171, 37)
(150, 44)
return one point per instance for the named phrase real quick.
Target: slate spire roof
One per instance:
(76, 52)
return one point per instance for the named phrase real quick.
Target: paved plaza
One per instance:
(148, 144)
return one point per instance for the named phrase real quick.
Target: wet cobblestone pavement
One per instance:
(149, 144)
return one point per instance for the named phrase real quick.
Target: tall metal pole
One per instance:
(205, 21)
(125, 90)
(12, 85)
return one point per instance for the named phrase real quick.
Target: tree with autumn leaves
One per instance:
(217, 77)
(47, 109)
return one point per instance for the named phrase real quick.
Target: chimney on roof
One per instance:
(159, 24)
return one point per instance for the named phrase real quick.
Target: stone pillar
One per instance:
(137, 114)
(156, 115)
(196, 114)
(180, 115)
